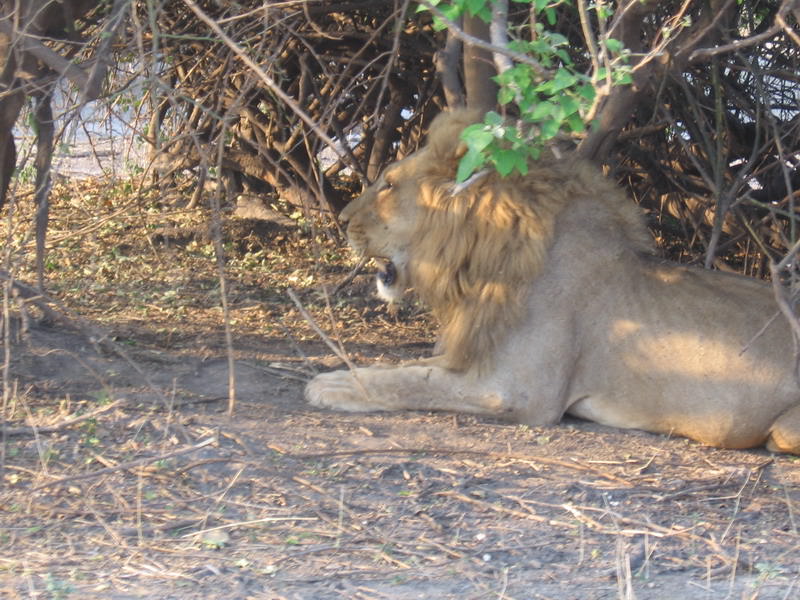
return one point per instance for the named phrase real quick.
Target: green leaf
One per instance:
(549, 129)
(575, 123)
(623, 78)
(542, 110)
(522, 164)
(562, 80)
(558, 113)
(614, 45)
(569, 104)
(587, 92)
(469, 163)
(493, 119)
(506, 95)
(422, 8)
(474, 6)
(451, 11)
(603, 12)
(512, 135)
(477, 137)
(506, 161)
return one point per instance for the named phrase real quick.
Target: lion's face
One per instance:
(382, 221)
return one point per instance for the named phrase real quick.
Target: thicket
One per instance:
(691, 105)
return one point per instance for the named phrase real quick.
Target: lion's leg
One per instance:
(413, 387)
(784, 435)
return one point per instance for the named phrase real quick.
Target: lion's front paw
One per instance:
(339, 390)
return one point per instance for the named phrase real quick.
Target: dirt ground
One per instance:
(125, 477)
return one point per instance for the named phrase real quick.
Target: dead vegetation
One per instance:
(122, 473)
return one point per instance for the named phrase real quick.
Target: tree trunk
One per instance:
(479, 68)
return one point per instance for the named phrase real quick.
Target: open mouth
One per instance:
(387, 272)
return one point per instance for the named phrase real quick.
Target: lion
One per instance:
(551, 301)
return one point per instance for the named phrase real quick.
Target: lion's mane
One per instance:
(475, 252)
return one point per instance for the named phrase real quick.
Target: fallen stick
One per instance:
(33, 430)
(339, 352)
(127, 465)
(350, 277)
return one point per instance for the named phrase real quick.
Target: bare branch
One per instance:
(102, 53)
(498, 30)
(270, 83)
(31, 44)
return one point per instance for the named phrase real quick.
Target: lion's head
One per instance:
(469, 254)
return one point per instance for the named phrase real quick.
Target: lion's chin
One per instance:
(389, 281)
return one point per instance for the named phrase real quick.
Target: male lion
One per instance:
(551, 302)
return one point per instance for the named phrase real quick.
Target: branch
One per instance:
(783, 299)
(124, 466)
(780, 23)
(30, 44)
(15, 431)
(270, 83)
(788, 29)
(339, 352)
(446, 61)
(103, 50)
(471, 40)
(588, 36)
(498, 33)
(704, 53)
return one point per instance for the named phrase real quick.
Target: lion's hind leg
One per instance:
(784, 435)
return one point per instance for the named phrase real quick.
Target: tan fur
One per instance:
(475, 251)
(550, 302)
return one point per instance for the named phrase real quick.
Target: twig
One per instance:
(127, 465)
(788, 29)
(103, 52)
(588, 36)
(16, 431)
(270, 83)
(781, 297)
(502, 509)
(350, 276)
(479, 43)
(789, 257)
(498, 33)
(703, 53)
(339, 352)
(471, 180)
(253, 522)
(30, 44)
(219, 254)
